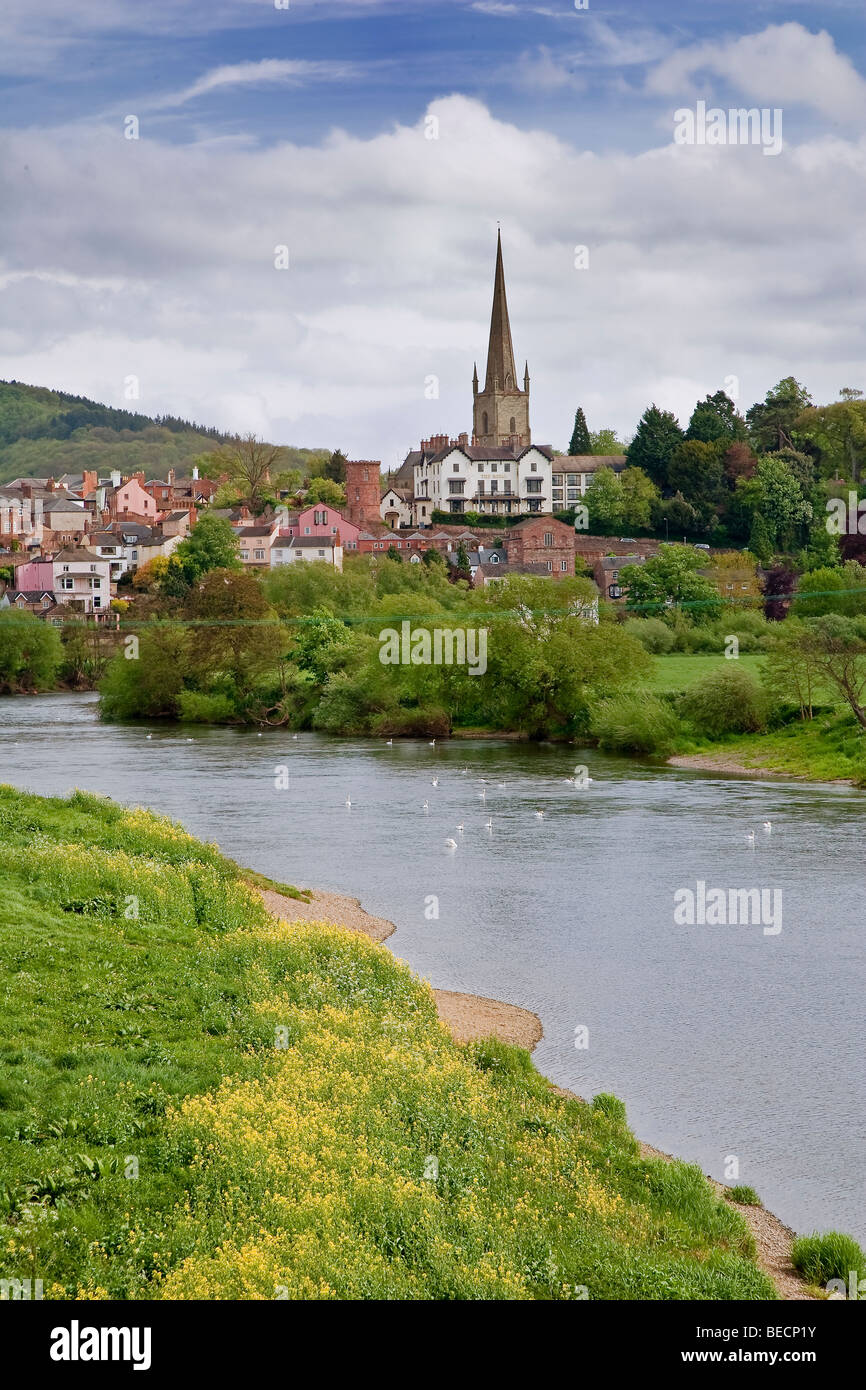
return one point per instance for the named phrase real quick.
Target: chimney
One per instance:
(463, 439)
(195, 472)
(115, 477)
(89, 481)
(169, 477)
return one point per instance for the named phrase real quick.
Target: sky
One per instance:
(300, 241)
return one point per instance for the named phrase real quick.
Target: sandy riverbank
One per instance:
(718, 762)
(467, 1016)
(471, 1016)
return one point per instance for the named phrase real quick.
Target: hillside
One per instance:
(198, 1101)
(47, 433)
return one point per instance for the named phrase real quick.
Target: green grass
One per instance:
(830, 747)
(744, 1196)
(197, 1102)
(676, 671)
(829, 1256)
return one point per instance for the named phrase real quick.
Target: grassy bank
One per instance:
(828, 748)
(198, 1102)
(677, 671)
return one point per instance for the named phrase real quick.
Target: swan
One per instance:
(389, 743)
(768, 826)
(150, 735)
(539, 815)
(450, 844)
(348, 801)
(460, 828)
(434, 781)
(426, 806)
(488, 825)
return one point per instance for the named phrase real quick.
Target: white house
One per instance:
(289, 550)
(83, 580)
(493, 479)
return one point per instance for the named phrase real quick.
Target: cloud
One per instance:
(140, 257)
(783, 65)
(268, 71)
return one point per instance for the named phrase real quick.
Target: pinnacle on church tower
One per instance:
(500, 414)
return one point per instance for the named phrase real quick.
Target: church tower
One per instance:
(500, 414)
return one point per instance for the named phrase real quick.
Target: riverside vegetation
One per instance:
(198, 1101)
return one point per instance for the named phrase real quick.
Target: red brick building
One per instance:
(363, 492)
(541, 541)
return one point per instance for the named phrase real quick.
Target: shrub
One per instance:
(652, 634)
(728, 702)
(831, 1256)
(196, 707)
(746, 1196)
(634, 722)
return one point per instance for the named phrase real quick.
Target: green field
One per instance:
(678, 670)
(199, 1102)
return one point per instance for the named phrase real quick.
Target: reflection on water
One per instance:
(722, 1040)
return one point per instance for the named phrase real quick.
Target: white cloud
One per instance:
(143, 258)
(785, 64)
(265, 72)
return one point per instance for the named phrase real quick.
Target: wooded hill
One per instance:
(45, 433)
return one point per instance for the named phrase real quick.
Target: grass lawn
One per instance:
(199, 1102)
(678, 670)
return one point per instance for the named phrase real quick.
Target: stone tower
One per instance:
(500, 413)
(363, 491)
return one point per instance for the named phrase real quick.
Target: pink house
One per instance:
(38, 574)
(321, 520)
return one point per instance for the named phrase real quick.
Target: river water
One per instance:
(725, 1041)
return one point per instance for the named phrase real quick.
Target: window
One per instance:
(494, 487)
(135, 554)
(493, 467)
(259, 554)
(550, 565)
(480, 467)
(506, 487)
(97, 601)
(513, 426)
(533, 484)
(533, 466)
(306, 530)
(548, 538)
(484, 429)
(507, 467)
(563, 565)
(744, 586)
(96, 583)
(67, 582)
(321, 554)
(456, 486)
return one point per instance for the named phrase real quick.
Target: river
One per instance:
(725, 1042)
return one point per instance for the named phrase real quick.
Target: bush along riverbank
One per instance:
(202, 1101)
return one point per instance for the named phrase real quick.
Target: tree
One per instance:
(671, 578)
(640, 497)
(695, 470)
(788, 672)
(580, 442)
(605, 442)
(771, 421)
(253, 466)
(778, 588)
(759, 540)
(462, 568)
(432, 557)
(604, 501)
(779, 498)
(210, 545)
(681, 517)
(658, 435)
(716, 418)
(30, 652)
(739, 461)
(819, 592)
(234, 633)
(392, 553)
(335, 468)
(838, 433)
(836, 646)
(325, 490)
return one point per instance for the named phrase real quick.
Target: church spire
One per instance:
(500, 352)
